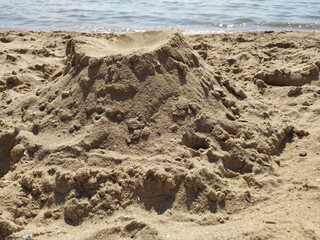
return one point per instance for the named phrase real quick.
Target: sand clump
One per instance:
(156, 122)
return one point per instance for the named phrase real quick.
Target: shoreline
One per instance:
(98, 30)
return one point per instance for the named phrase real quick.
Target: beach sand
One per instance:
(159, 135)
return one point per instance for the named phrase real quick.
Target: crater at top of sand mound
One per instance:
(135, 43)
(143, 53)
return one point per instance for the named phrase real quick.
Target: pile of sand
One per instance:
(148, 121)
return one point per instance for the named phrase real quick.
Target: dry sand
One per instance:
(158, 135)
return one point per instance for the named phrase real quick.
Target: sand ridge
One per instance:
(118, 132)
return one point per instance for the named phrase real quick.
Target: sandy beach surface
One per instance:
(159, 135)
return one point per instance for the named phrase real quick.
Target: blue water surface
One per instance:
(137, 15)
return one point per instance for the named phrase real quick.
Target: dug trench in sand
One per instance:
(114, 132)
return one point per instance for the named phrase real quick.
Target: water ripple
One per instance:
(190, 15)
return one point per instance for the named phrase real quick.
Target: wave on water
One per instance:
(189, 15)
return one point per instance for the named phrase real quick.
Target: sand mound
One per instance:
(137, 120)
(114, 101)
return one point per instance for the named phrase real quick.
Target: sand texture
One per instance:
(159, 135)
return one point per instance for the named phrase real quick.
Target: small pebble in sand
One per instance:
(27, 237)
(65, 94)
(252, 158)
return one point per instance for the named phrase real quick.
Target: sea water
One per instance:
(139, 15)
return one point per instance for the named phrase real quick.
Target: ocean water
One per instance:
(138, 15)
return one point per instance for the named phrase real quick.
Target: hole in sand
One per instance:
(7, 141)
(195, 141)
